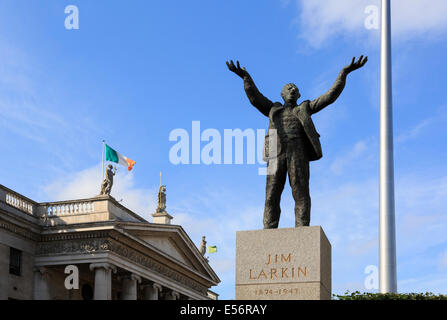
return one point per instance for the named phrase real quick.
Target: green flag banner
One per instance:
(212, 249)
(114, 156)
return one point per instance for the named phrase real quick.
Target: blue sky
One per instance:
(135, 71)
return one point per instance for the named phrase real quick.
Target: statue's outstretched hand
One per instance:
(237, 69)
(356, 64)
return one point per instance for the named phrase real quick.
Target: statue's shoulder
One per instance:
(302, 110)
(304, 103)
(304, 106)
(275, 107)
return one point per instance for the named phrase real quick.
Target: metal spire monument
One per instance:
(387, 230)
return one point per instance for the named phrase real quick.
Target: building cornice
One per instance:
(18, 230)
(111, 241)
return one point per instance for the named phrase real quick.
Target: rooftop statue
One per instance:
(107, 183)
(161, 199)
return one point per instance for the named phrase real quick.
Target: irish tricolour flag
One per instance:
(113, 156)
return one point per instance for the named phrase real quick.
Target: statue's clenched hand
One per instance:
(237, 69)
(356, 64)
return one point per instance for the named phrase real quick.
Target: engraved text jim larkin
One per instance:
(272, 270)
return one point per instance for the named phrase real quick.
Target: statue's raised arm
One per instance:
(292, 141)
(256, 98)
(334, 92)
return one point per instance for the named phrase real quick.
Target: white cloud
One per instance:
(346, 159)
(321, 20)
(415, 131)
(87, 184)
(424, 126)
(435, 283)
(32, 110)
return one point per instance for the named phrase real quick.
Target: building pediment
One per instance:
(168, 246)
(172, 241)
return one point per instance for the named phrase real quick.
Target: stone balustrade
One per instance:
(57, 209)
(16, 200)
(98, 208)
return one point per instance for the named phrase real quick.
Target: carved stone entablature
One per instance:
(75, 236)
(147, 262)
(84, 246)
(19, 230)
(85, 243)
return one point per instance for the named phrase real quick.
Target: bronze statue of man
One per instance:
(297, 141)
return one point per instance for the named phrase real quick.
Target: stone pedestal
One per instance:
(283, 264)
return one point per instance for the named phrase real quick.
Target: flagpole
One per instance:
(387, 243)
(103, 148)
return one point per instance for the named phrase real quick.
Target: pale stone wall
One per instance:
(167, 246)
(12, 286)
(4, 271)
(21, 287)
(101, 208)
(119, 213)
(56, 281)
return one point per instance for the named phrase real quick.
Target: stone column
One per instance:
(103, 280)
(173, 295)
(129, 291)
(41, 286)
(152, 291)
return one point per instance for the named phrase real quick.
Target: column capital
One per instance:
(157, 286)
(130, 276)
(44, 271)
(41, 290)
(104, 265)
(152, 285)
(175, 295)
(135, 277)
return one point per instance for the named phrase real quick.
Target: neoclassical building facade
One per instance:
(95, 249)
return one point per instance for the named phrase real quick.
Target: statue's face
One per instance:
(290, 93)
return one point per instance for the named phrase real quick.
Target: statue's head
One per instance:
(163, 188)
(110, 167)
(290, 93)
